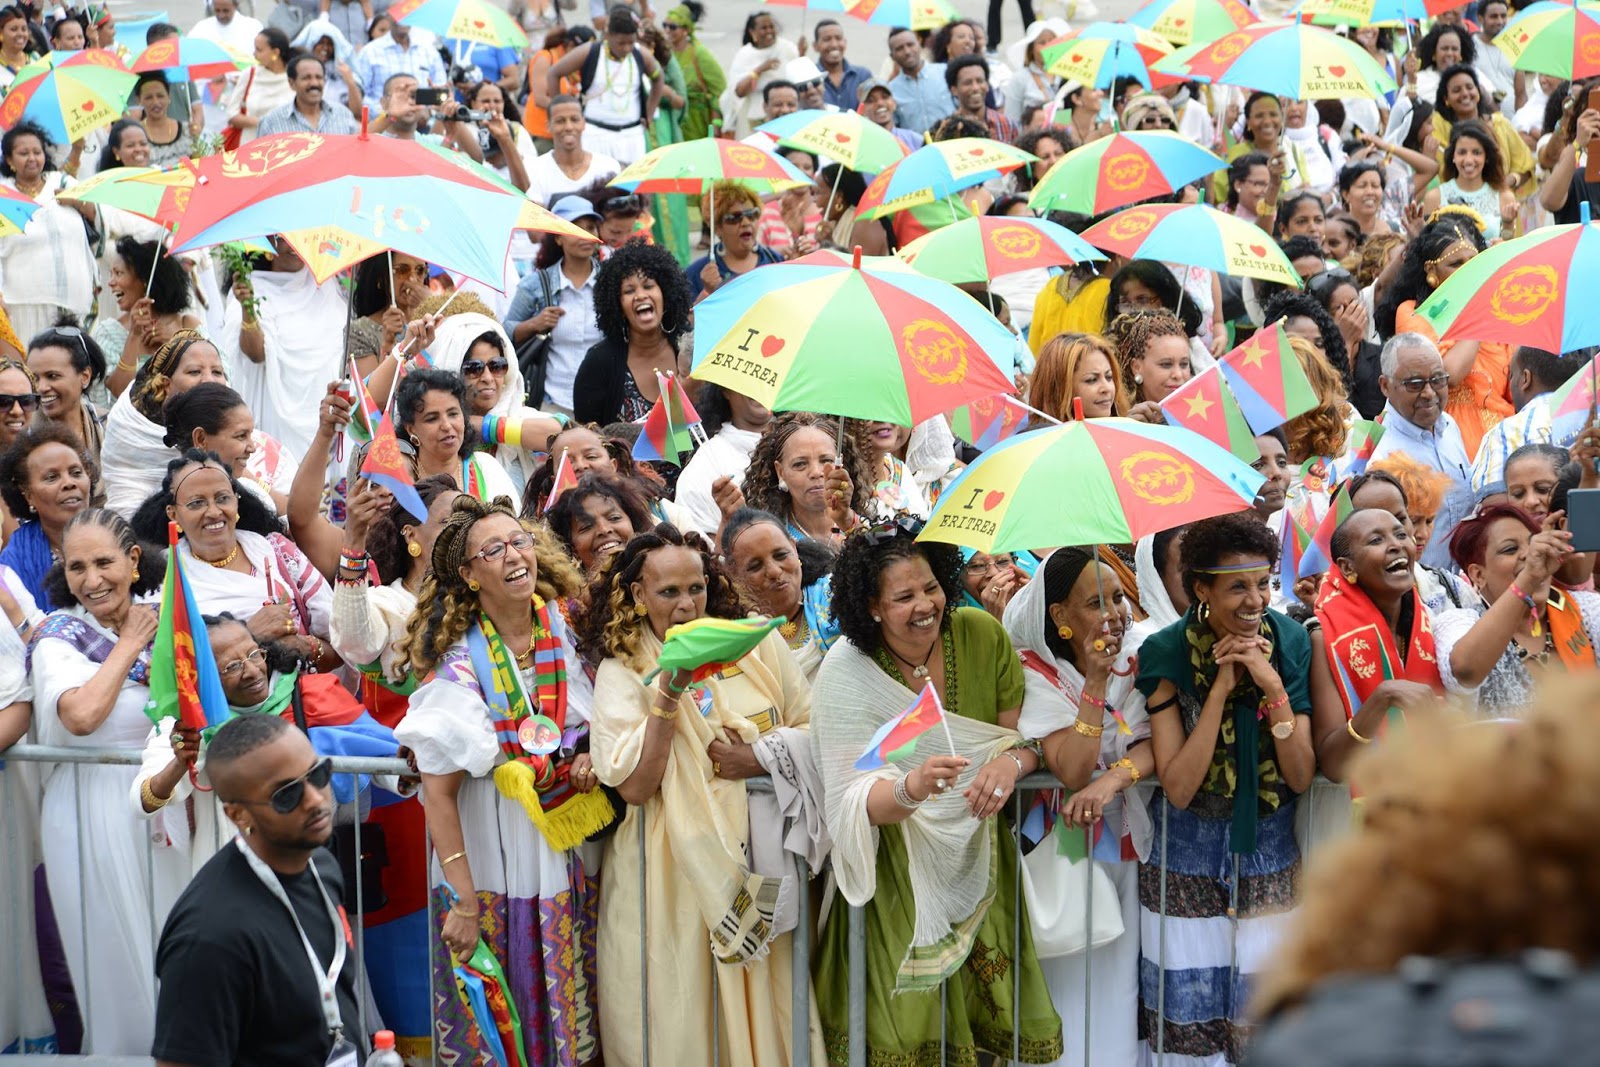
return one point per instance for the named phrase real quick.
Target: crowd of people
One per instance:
(1183, 690)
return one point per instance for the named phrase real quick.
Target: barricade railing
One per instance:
(19, 873)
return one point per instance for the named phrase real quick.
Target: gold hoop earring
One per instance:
(640, 610)
(472, 584)
(1064, 632)
(413, 549)
(1203, 612)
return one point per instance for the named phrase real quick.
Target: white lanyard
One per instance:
(325, 982)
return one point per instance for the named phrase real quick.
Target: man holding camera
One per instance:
(405, 110)
(308, 112)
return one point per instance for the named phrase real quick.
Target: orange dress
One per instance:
(1479, 402)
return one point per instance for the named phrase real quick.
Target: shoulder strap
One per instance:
(591, 64)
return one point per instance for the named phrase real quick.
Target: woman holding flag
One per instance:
(922, 832)
(90, 665)
(507, 811)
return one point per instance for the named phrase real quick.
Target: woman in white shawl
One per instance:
(1161, 594)
(477, 348)
(1072, 627)
(760, 59)
(916, 841)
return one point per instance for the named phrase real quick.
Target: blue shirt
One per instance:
(1442, 449)
(493, 62)
(922, 100)
(843, 96)
(384, 58)
(287, 119)
(764, 256)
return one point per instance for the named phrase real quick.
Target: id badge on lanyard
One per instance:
(343, 1053)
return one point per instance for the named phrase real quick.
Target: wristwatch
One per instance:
(1284, 730)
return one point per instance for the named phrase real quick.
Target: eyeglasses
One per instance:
(995, 564)
(229, 670)
(471, 368)
(495, 551)
(406, 270)
(288, 796)
(1440, 383)
(196, 505)
(630, 202)
(26, 401)
(673, 26)
(887, 530)
(749, 214)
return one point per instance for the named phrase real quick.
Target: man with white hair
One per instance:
(1413, 378)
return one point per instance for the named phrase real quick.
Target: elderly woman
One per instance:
(784, 577)
(1073, 627)
(642, 305)
(798, 473)
(430, 413)
(48, 267)
(1495, 655)
(236, 559)
(46, 477)
(68, 363)
(596, 519)
(90, 666)
(679, 753)
(1226, 691)
(506, 808)
(735, 249)
(917, 844)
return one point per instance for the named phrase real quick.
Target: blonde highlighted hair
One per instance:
(1051, 388)
(1322, 430)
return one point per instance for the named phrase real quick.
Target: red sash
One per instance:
(1361, 648)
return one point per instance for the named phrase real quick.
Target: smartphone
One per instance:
(1583, 519)
(431, 97)
(1591, 166)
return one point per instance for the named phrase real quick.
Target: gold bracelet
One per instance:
(448, 860)
(125, 366)
(152, 803)
(1086, 730)
(252, 326)
(456, 909)
(1350, 728)
(1133, 772)
(668, 715)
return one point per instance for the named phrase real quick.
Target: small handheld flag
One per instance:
(707, 646)
(364, 413)
(672, 427)
(565, 479)
(985, 423)
(1295, 543)
(1207, 406)
(1318, 555)
(1267, 379)
(897, 737)
(184, 681)
(385, 466)
(1364, 437)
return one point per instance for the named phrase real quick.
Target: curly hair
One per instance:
(1294, 304)
(954, 127)
(1051, 388)
(414, 388)
(1441, 99)
(1132, 334)
(653, 262)
(1424, 487)
(761, 476)
(1029, 142)
(447, 605)
(14, 464)
(148, 392)
(1411, 281)
(1374, 255)
(1430, 44)
(1206, 542)
(468, 303)
(624, 492)
(644, 477)
(859, 569)
(150, 520)
(386, 539)
(1445, 867)
(168, 288)
(205, 407)
(147, 578)
(1322, 430)
(608, 625)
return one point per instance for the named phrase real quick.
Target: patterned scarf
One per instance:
(1238, 767)
(538, 782)
(1567, 631)
(1362, 649)
(91, 643)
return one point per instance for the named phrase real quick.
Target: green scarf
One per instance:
(1239, 768)
(277, 701)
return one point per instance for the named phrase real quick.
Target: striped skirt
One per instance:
(1225, 916)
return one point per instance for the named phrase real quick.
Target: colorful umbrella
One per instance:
(913, 14)
(937, 172)
(1122, 169)
(1553, 38)
(975, 249)
(465, 20)
(127, 188)
(191, 59)
(1186, 21)
(1102, 52)
(691, 166)
(69, 94)
(1125, 479)
(1196, 235)
(843, 136)
(15, 211)
(1288, 58)
(1519, 292)
(895, 345)
(1363, 12)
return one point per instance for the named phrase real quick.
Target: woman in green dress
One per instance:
(922, 831)
(671, 227)
(700, 71)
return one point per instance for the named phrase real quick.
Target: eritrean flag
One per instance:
(565, 479)
(1364, 437)
(706, 646)
(1296, 541)
(1318, 557)
(1266, 377)
(986, 422)
(1207, 406)
(673, 426)
(385, 466)
(184, 682)
(364, 413)
(898, 737)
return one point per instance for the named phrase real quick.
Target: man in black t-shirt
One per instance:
(1565, 191)
(237, 984)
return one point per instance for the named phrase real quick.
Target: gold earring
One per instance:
(414, 549)
(472, 584)
(1203, 612)
(247, 830)
(136, 574)
(640, 610)
(1064, 632)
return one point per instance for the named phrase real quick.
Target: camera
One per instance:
(465, 74)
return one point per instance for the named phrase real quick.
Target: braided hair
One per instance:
(1132, 333)
(147, 577)
(150, 383)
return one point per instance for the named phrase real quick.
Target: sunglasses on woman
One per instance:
(749, 214)
(471, 368)
(288, 796)
(26, 401)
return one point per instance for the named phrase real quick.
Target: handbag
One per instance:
(233, 135)
(533, 356)
(1072, 903)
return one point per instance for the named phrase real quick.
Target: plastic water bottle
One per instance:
(383, 1053)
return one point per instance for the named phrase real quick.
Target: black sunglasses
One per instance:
(749, 214)
(288, 796)
(26, 401)
(471, 368)
(630, 202)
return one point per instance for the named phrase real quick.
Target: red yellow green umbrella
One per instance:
(191, 58)
(938, 172)
(15, 211)
(913, 14)
(1102, 52)
(988, 246)
(1124, 168)
(691, 166)
(1195, 235)
(466, 20)
(1562, 40)
(843, 136)
(1288, 58)
(69, 94)
(1125, 479)
(1365, 12)
(894, 345)
(130, 189)
(1186, 21)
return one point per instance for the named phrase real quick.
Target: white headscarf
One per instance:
(1153, 596)
(451, 343)
(316, 30)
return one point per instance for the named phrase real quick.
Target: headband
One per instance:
(203, 465)
(1236, 568)
(1450, 249)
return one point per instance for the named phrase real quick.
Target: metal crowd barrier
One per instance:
(19, 871)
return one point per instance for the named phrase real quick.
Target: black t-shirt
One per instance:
(235, 984)
(1578, 191)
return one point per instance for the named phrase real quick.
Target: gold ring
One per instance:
(716, 768)
(177, 741)
(288, 627)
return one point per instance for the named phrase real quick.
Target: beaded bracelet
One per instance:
(1269, 708)
(1092, 701)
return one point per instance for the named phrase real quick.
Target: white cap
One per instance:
(801, 69)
